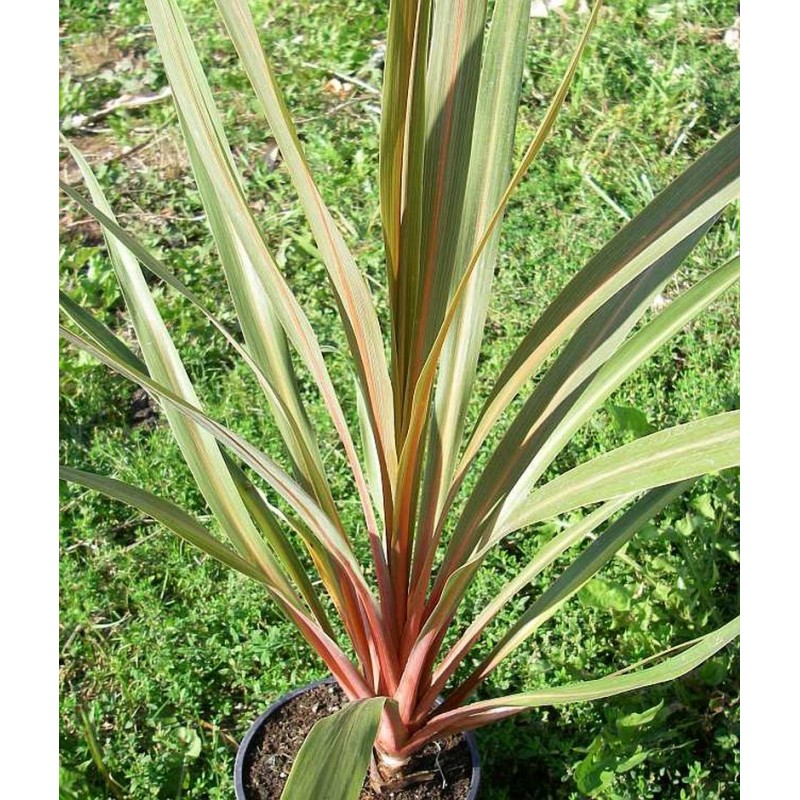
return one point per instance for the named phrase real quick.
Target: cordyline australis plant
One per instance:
(451, 89)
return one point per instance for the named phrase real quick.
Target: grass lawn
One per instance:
(165, 657)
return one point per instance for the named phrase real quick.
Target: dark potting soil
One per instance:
(273, 750)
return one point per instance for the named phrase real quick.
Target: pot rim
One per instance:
(244, 746)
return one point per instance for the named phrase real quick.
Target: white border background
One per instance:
(770, 336)
(28, 399)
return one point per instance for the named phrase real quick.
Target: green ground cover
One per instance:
(165, 657)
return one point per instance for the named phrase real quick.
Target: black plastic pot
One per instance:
(244, 747)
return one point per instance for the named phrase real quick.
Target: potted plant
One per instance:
(436, 495)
